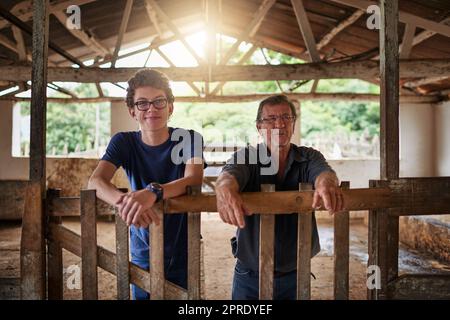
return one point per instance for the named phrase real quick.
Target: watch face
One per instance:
(156, 186)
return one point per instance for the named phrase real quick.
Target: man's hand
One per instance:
(327, 194)
(135, 208)
(230, 206)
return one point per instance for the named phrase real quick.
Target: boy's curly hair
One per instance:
(148, 78)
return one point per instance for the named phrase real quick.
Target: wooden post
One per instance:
(54, 256)
(194, 248)
(89, 264)
(389, 138)
(304, 234)
(122, 258)
(32, 250)
(157, 276)
(266, 250)
(341, 251)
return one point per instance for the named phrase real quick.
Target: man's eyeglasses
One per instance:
(272, 119)
(144, 105)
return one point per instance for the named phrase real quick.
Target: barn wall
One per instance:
(442, 124)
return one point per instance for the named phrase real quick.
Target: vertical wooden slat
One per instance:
(389, 91)
(341, 251)
(157, 276)
(194, 249)
(54, 256)
(89, 244)
(122, 259)
(304, 235)
(32, 251)
(266, 250)
(389, 136)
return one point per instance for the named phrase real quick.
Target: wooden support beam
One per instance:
(154, 19)
(389, 90)
(407, 42)
(55, 276)
(89, 244)
(32, 255)
(122, 29)
(157, 275)
(385, 237)
(249, 98)
(338, 70)
(88, 40)
(21, 49)
(308, 36)
(403, 16)
(424, 81)
(304, 236)
(4, 41)
(305, 28)
(194, 253)
(326, 39)
(122, 258)
(266, 251)
(175, 30)
(341, 251)
(250, 30)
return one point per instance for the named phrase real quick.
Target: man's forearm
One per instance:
(326, 178)
(226, 180)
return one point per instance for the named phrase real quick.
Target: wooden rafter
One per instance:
(21, 49)
(154, 19)
(88, 40)
(326, 39)
(308, 36)
(24, 9)
(408, 37)
(174, 30)
(250, 30)
(123, 28)
(403, 16)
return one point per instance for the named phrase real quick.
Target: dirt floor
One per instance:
(219, 262)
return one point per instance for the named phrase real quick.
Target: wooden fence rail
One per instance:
(408, 196)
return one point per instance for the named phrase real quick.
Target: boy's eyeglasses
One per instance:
(144, 105)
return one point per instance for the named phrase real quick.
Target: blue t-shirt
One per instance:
(164, 163)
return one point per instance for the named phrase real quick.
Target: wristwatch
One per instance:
(157, 189)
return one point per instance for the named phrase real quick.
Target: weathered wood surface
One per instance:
(304, 244)
(89, 263)
(71, 241)
(194, 254)
(404, 196)
(122, 256)
(266, 250)
(419, 287)
(341, 251)
(321, 70)
(156, 248)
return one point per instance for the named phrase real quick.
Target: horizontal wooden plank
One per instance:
(320, 70)
(71, 241)
(420, 286)
(403, 196)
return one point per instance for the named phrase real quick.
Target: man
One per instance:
(286, 165)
